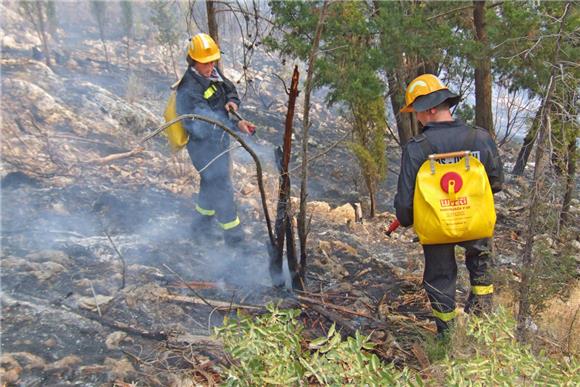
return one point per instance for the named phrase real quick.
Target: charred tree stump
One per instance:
(283, 226)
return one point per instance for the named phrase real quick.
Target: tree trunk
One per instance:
(372, 196)
(483, 78)
(212, 25)
(570, 180)
(537, 195)
(404, 121)
(102, 35)
(283, 226)
(128, 51)
(302, 215)
(527, 146)
(42, 31)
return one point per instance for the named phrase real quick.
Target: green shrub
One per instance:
(484, 352)
(271, 350)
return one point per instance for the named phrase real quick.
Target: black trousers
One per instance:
(440, 276)
(216, 193)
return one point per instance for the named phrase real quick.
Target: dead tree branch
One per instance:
(121, 258)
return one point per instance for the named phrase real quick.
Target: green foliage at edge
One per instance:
(271, 350)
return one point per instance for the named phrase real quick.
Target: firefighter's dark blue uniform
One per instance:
(208, 96)
(440, 272)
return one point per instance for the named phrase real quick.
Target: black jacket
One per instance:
(192, 98)
(443, 137)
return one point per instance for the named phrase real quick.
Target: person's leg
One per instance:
(220, 193)
(478, 260)
(204, 212)
(439, 281)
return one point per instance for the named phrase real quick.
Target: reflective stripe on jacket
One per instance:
(199, 95)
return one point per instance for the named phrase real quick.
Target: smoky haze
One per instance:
(83, 109)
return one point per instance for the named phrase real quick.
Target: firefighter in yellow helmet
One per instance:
(204, 90)
(430, 100)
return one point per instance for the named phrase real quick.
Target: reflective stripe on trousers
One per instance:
(216, 192)
(440, 275)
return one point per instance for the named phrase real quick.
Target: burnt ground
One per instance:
(59, 264)
(96, 255)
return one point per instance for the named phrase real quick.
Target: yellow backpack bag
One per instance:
(176, 133)
(453, 201)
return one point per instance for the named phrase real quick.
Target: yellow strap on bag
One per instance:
(453, 202)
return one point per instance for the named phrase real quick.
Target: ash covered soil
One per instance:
(93, 280)
(102, 279)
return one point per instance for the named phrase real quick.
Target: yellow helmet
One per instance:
(425, 92)
(203, 49)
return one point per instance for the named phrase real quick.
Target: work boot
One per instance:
(203, 228)
(478, 305)
(234, 237)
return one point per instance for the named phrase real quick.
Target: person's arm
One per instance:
(232, 98)
(494, 167)
(189, 100)
(405, 189)
(233, 102)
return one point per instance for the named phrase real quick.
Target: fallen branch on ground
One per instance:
(115, 156)
(221, 305)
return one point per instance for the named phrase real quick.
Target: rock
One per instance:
(47, 270)
(65, 362)
(60, 208)
(29, 360)
(338, 271)
(50, 342)
(576, 245)
(343, 214)
(249, 189)
(48, 109)
(10, 369)
(120, 368)
(182, 381)
(344, 287)
(501, 211)
(545, 238)
(344, 247)
(115, 339)
(130, 116)
(93, 369)
(11, 262)
(318, 208)
(325, 246)
(90, 303)
(56, 256)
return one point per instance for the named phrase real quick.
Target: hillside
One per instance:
(102, 278)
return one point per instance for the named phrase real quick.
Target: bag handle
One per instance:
(438, 156)
(465, 154)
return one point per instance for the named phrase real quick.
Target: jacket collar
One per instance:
(444, 124)
(214, 77)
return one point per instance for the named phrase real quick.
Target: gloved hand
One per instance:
(246, 127)
(231, 106)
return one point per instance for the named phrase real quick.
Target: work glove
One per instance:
(246, 127)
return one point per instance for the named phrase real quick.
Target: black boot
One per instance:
(203, 228)
(234, 237)
(478, 305)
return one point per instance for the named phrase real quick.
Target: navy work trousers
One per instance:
(216, 192)
(440, 275)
